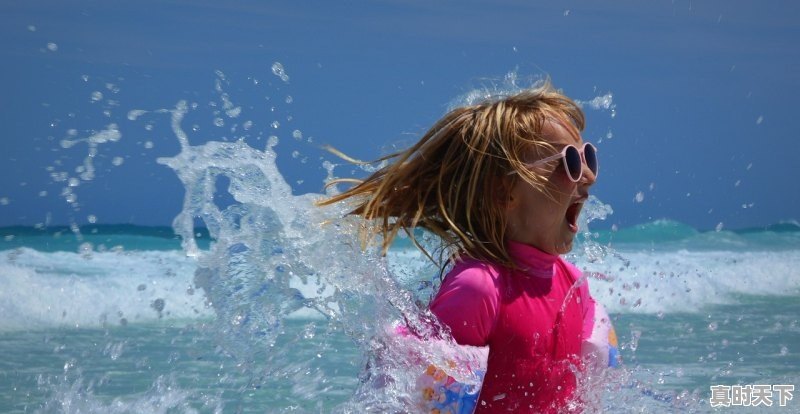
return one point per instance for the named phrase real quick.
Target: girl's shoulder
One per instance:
(479, 277)
(475, 269)
(568, 265)
(569, 269)
(575, 276)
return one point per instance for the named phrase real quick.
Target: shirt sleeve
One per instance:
(468, 303)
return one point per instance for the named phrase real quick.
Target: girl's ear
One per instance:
(504, 197)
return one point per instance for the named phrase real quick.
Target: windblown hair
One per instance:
(455, 181)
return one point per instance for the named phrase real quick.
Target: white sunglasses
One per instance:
(573, 159)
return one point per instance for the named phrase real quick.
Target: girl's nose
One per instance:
(588, 177)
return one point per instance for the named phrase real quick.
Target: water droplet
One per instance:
(219, 122)
(135, 113)
(639, 197)
(96, 96)
(52, 47)
(4, 201)
(117, 161)
(275, 124)
(309, 331)
(719, 227)
(148, 144)
(784, 351)
(297, 134)
(289, 99)
(566, 12)
(158, 305)
(277, 70)
(85, 248)
(760, 120)
(635, 335)
(234, 112)
(247, 125)
(712, 326)
(114, 350)
(73, 182)
(31, 28)
(91, 218)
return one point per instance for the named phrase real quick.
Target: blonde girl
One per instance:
(501, 183)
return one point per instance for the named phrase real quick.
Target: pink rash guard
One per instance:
(531, 321)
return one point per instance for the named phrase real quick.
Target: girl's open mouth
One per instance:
(573, 211)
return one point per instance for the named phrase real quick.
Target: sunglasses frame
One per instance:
(563, 156)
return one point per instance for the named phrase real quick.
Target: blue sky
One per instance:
(704, 91)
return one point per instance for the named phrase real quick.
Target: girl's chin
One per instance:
(566, 245)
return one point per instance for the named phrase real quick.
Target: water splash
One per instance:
(277, 70)
(602, 102)
(277, 256)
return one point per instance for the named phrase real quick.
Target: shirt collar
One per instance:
(531, 261)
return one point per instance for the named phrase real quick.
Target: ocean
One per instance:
(122, 319)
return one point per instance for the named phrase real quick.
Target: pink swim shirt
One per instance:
(533, 320)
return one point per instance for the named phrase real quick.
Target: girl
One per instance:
(502, 184)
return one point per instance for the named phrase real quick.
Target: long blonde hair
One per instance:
(455, 181)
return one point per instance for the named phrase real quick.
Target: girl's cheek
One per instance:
(563, 187)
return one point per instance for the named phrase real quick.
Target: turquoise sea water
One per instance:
(125, 324)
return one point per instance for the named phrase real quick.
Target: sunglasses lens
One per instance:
(574, 165)
(590, 154)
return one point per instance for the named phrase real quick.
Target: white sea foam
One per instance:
(39, 290)
(686, 281)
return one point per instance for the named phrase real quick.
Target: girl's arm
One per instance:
(468, 303)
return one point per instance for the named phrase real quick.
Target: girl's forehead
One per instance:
(558, 132)
(555, 135)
